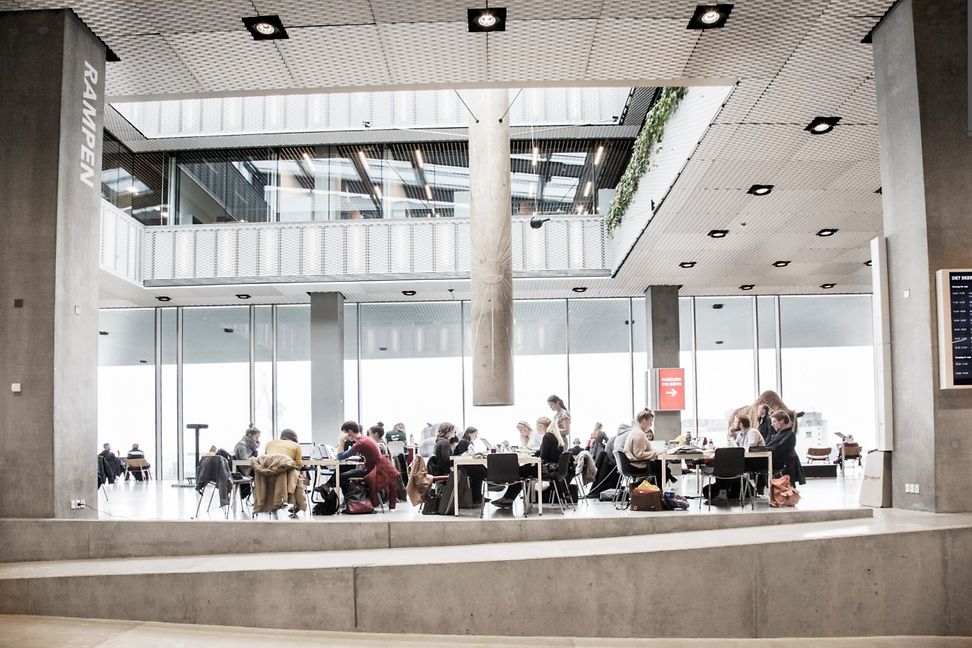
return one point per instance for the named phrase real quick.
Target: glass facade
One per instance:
(411, 363)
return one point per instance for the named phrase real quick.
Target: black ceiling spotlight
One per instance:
(163, 298)
(717, 233)
(102, 332)
(747, 287)
(718, 341)
(821, 125)
(827, 286)
(408, 293)
(780, 264)
(579, 289)
(760, 190)
(242, 296)
(710, 16)
(228, 330)
(868, 262)
(486, 19)
(687, 264)
(717, 306)
(828, 231)
(265, 27)
(143, 362)
(536, 222)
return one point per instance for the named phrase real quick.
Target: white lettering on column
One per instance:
(89, 130)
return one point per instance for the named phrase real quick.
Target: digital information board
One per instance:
(955, 328)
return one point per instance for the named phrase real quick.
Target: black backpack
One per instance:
(330, 504)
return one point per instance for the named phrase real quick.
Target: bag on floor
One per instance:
(430, 502)
(356, 500)
(673, 502)
(646, 501)
(782, 493)
(607, 495)
(330, 504)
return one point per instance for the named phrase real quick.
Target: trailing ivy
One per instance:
(641, 153)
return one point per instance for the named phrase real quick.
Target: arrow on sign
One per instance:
(671, 392)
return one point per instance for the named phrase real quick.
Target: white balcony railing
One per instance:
(337, 250)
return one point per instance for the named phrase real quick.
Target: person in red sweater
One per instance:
(366, 448)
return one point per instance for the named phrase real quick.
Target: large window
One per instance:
(411, 363)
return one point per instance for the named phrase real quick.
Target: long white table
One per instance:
(474, 460)
(665, 457)
(307, 463)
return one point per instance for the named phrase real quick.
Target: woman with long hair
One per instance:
(561, 417)
(441, 461)
(475, 474)
(551, 447)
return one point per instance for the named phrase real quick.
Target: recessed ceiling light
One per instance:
(687, 264)
(382, 348)
(163, 298)
(827, 286)
(868, 262)
(228, 330)
(419, 159)
(827, 231)
(747, 287)
(710, 16)
(143, 362)
(486, 19)
(102, 332)
(408, 293)
(717, 233)
(717, 306)
(781, 264)
(821, 125)
(718, 341)
(598, 155)
(579, 289)
(760, 190)
(242, 296)
(265, 27)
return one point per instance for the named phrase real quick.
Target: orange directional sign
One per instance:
(671, 389)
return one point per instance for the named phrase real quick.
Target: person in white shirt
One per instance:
(742, 435)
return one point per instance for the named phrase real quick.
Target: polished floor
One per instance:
(41, 632)
(163, 500)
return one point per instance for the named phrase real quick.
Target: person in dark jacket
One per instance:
(782, 443)
(764, 425)
(475, 474)
(441, 461)
(113, 464)
(551, 447)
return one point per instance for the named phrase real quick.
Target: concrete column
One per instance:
(922, 75)
(491, 247)
(661, 316)
(51, 110)
(327, 367)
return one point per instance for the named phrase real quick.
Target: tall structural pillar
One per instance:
(327, 366)
(51, 108)
(661, 316)
(922, 76)
(491, 247)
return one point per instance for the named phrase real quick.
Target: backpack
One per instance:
(674, 502)
(330, 504)
(782, 493)
(356, 500)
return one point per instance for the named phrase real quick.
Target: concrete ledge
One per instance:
(26, 540)
(791, 581)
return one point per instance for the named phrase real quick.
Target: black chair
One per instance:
(560, 482)
(503, 469)
(728, 464)
(629, 475)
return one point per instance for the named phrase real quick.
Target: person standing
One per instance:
(561, 417)
(783, 446)
(598, 441)
(763, 423)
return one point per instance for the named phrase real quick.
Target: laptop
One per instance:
(310, 451)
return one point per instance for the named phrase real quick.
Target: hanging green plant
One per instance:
(642, 151)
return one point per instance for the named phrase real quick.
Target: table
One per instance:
(308, 463)
(480, 460)
(665, 457)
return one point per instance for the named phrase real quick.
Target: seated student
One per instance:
(606, 476)
(397, 433)
(246, 448)
(345, 440)
(377, 434)
(576, 449)
(475, 474)
(783, 446)
(440, 463)
(288, 446)
(637, 447)
(551, 447)
(135, 453)
(427, 445)
(289, 489)
(112, 462)
(743, 435)
(366, 448)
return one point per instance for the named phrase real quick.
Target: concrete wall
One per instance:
(41, 540)
(912, 583)
(49, 218)
(921, 70)
(327, 367)
(661, 315)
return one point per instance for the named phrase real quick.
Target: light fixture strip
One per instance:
(587, 188)
(428, 192)
(418, 158)
(598, 155)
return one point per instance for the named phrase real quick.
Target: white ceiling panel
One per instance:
(744, 96)
(524, 52)
(148, 66)
(640, 48)
(317, 56)
(230, 61)
(299, 13)
(433, 52)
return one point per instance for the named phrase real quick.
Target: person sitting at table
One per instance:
(277, 479)
(783, 446)
(427, 445)
(742, 435)
(637, 447)
(551, 447)
(366, 448)
(345, 440)
(440, 463)
(576, 449)
(475, 474)
(528, 438)
(288, 446)
(246, 449)
(135, 453)
(113, 463)
(397, 433)
(377, 434)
